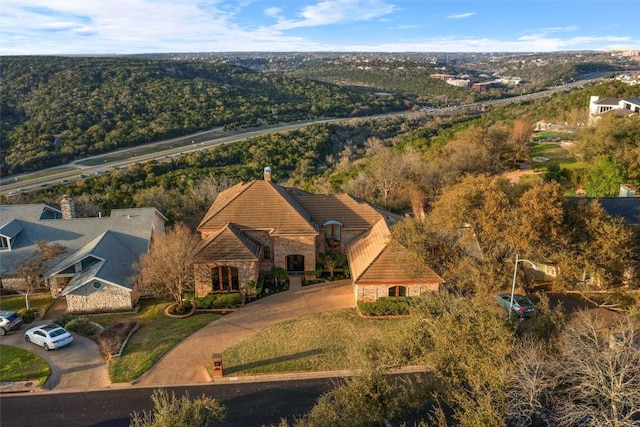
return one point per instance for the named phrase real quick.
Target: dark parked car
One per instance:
(522, 306)
(9, 320)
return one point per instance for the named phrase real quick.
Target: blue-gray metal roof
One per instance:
(119, 239)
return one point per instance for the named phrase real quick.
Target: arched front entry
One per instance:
(295, 264)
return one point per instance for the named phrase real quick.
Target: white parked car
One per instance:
(49, 336)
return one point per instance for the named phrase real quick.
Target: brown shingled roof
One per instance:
(350, 212)
(258, 205)
(229, 244)
(377, 259)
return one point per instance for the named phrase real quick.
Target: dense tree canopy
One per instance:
(56, 109)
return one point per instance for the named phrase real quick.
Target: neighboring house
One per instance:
(625, 107)
(625, 207)
(256, 226)
(96, 272)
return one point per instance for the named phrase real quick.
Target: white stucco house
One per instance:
(598, 107)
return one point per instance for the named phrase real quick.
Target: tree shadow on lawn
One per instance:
(266, 362)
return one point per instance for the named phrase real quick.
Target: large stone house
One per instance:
(256, 226)
(96, 272)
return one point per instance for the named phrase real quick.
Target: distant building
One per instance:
(598, 107)
(443, 77)
(458, 82)
(484, 86)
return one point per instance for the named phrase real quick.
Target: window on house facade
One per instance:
(332, 236)
(88, 262)
(266, 254)
(4, 243)
(397, 291)
(225, 279)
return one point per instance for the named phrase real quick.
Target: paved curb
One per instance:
(309, 375)
(31, 386)
(19, 387)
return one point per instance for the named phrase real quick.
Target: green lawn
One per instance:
(156, 335)
(17, 364)
(556, 155)
(17, 303)
(325, 341)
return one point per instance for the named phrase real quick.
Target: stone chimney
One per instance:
(267, 174)
(67, 207)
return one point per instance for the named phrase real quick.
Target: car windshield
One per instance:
(524, 302)
(13, 317)
(56, 332)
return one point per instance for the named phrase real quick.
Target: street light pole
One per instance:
(513, 284)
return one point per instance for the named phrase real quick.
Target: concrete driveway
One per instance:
(78, 366)
(186, 363)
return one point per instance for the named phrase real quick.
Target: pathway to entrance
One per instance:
(187, 362)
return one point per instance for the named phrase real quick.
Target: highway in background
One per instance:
(177, 147)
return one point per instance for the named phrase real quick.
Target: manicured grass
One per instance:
(156, 335)
(17, 303)
(17, 364)
(325, 341)
(556, 155)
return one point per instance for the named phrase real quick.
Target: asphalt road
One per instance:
(248, 404)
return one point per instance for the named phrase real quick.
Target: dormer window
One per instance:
(332, 236)
(4, 244)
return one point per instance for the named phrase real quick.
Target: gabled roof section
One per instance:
(349, 211)
(396, 265)
(607, 101)
(28, 212)
(635, 101)
(229, 244)
(376, 258)
(115, 267)
(133, 228)
(11, 229)
(76, 257)
(365, 250)
(260, 205)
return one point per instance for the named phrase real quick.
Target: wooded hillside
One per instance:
(57, 109)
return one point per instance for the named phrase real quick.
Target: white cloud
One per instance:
(461, 15)
(335, 12)
(138, 26)
(273, 12)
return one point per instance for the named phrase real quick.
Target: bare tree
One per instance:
(204, 192)
(600, 372)
(32, 269)
(167, 268)
(533, 379)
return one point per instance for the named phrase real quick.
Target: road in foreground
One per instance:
(248, 404)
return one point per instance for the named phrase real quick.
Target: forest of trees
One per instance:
(55, 110)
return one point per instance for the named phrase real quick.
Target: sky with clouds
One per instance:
(40, 27)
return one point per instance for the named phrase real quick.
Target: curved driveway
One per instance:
(186, 363)
(78, 366)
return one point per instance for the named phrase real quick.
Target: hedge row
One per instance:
(386, 306)
(231, 300)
